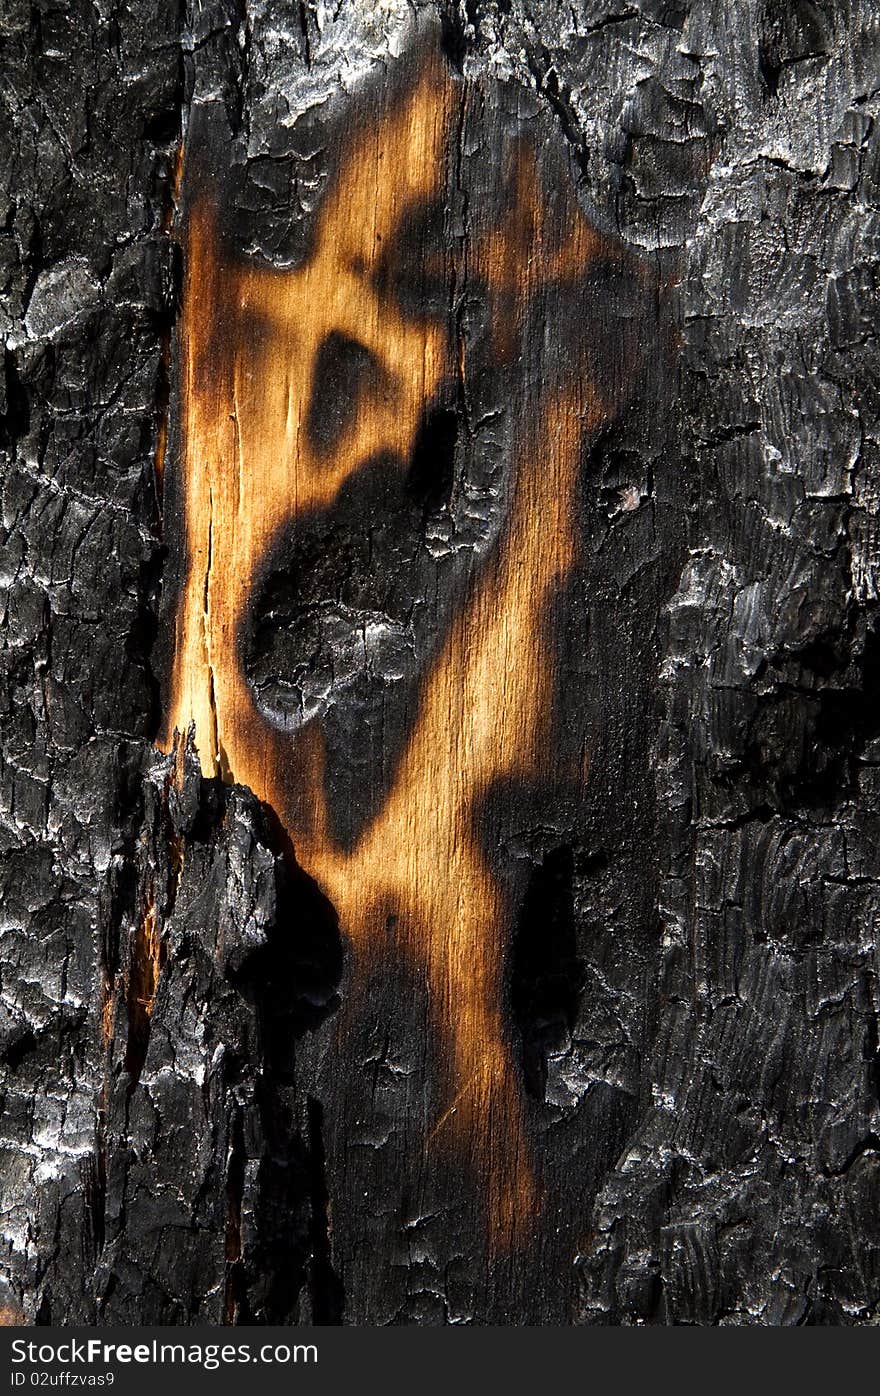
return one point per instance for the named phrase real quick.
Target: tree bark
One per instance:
(440, 669)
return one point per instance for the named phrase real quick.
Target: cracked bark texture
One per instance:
(693, 982)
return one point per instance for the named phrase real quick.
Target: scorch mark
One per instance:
(250, 466)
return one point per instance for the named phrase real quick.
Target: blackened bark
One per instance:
(200, 1121)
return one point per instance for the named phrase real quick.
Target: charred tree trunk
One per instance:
(440, 662)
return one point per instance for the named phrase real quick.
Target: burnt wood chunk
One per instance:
(441, 674)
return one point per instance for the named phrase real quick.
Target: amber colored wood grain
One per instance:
(483, 713)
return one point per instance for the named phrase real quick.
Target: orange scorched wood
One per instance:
(483, 714)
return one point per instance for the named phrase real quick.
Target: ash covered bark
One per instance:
(693, 981)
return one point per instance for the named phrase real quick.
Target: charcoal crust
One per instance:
(202, 1121)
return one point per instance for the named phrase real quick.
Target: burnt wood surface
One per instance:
(650, 236)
